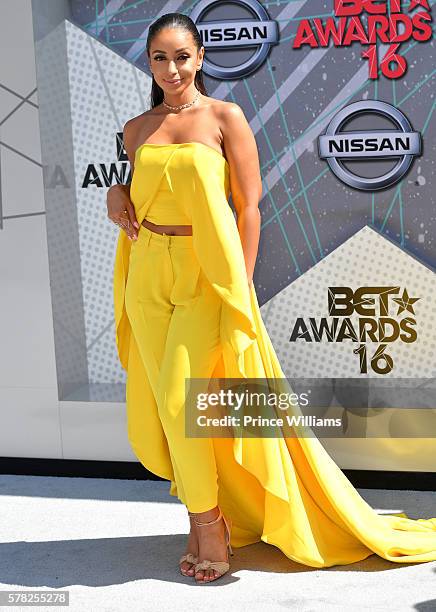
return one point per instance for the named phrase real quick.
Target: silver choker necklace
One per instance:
(182, 105)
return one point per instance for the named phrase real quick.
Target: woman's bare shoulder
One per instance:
(223, 112)
(138, 125)
(227, 108)
(139, 120)
(226, 112)
(219, 105)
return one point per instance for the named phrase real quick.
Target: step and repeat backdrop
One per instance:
(340, 97)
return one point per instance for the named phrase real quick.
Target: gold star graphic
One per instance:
(405, 302)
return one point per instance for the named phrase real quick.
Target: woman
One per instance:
(185, 307)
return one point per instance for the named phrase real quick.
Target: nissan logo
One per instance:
(253, 30)
(401, 143)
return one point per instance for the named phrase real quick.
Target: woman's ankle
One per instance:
(208, 515)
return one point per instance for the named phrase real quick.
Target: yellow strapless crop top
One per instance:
(165, 209)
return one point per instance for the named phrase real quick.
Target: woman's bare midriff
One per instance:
(172, 230)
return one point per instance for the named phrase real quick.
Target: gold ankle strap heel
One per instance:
(220, 566)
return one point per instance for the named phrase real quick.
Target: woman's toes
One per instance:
(187, 568)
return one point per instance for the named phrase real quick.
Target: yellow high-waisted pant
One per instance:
(174, 314)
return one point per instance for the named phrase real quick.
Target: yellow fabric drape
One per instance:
(285, 491)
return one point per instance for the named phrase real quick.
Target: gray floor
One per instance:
(114, 545)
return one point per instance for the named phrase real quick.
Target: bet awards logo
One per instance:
(375, 324)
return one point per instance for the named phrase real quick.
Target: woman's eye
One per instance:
(158, 57)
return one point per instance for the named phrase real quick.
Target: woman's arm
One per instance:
(245, 179)
(118, 196)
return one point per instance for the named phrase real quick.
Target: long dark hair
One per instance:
(174, 20)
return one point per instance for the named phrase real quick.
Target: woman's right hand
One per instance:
(121, 211)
